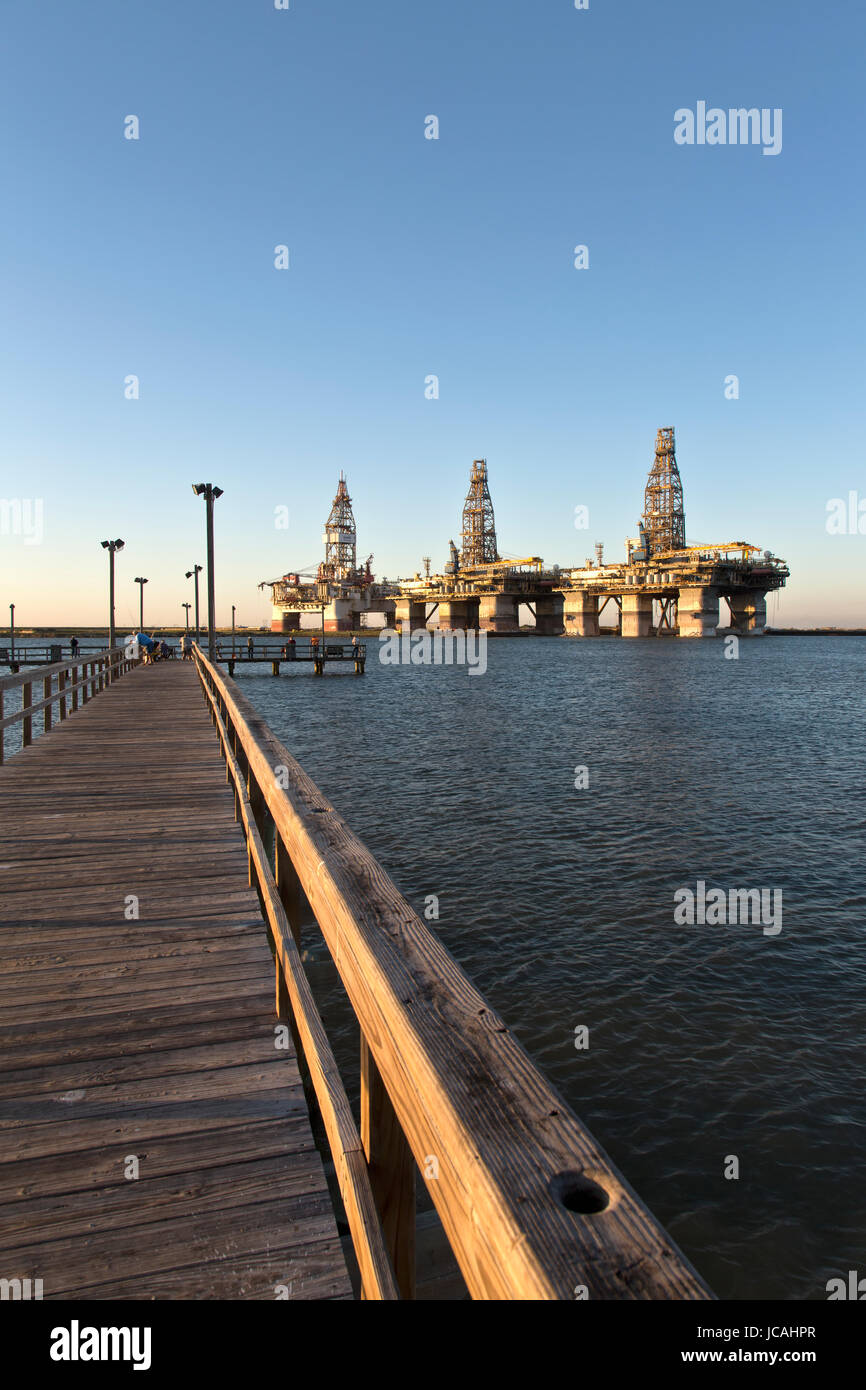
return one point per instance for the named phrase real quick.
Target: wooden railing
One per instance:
(530, 1204)
(66, 684)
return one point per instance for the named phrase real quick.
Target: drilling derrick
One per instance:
(340, 539)
(664, 521)
(479, 528)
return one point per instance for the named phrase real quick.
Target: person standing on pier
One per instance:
(250, 648)
(73, 646)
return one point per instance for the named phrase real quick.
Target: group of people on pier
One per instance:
(156, 649)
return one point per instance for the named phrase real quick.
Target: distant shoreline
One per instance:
(263, 632)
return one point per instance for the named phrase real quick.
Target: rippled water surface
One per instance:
(705, 1041)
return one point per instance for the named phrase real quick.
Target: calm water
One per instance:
(705, 1041)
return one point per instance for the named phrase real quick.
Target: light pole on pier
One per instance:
(187, 607)
(196, 570)
(111, 547)
(12, 628)
(233, 629)
(141, 583)
(210, 494)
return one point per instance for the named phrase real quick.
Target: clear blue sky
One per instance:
(412, 257)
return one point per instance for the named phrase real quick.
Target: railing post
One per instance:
(288, 886)
(75, 687)
(61, 686)
(2, 730)
(259, 810)
(392, 1172)
(26, 702)
(46, 713)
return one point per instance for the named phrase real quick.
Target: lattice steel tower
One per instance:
(340, 537)
(479, 528)
(664, 519)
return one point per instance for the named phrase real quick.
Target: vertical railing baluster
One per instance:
(27, 703)
(392, 1172)
(288, 887)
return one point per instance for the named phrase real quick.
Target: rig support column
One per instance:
(453, 614)
(339, 615)
(698, 612)
(548, 616)
(286, 622)
(637, 615)
(580, 614)
(749, 613)
(497, 613)
(410, 614)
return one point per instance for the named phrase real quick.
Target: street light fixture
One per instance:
(196, 570)
(111, 547)
(141, 583)
(210, 494)
(187, 607)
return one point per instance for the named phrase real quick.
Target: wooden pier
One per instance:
(320, 654)
(156, 1140)
(137, 1028)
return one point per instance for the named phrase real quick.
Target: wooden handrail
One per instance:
(531, 1205)
(105, 668)
(377, 1276)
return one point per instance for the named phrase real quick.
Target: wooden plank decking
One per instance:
(151, 1038)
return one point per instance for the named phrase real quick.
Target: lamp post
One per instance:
(141, 583)
(196, 570)
(210, 494)
(187, 607)
(111, 547)
(12, 628)
(233, 629)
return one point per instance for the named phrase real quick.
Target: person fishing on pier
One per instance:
(144, 645)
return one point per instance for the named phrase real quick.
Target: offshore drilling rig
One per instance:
(341, 591)
(663, 587)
